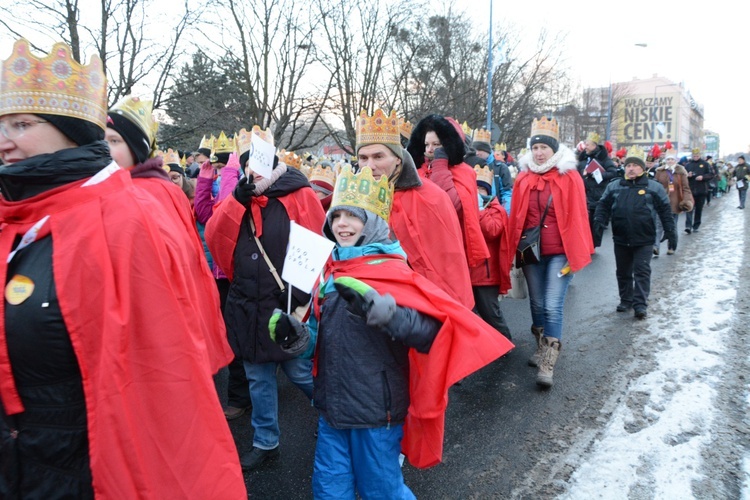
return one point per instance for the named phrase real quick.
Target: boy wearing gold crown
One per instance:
(386, 341)
(100, 356)
(423, 218)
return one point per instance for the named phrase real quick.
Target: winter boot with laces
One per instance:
(550, 351)
(538, 332)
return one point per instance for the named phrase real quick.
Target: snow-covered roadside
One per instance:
(655, 441)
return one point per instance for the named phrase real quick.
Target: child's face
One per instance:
(346, 228)
(482, 191)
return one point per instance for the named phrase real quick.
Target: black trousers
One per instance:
(487, 303)
(634, 274)
(238, 388)
(693, 218)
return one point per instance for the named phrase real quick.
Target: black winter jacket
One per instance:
(594, 190)
(254, 292)
(633, 206)
(362, 379)
(695, 169)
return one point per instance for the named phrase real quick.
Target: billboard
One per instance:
(645, 119)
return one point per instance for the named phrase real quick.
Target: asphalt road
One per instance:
(504, 436)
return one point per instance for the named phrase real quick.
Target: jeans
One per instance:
(487, 300)
(547, 293)
(361, 460)
(743, 195)
(693, 218)
(633, 275)
(264, 394)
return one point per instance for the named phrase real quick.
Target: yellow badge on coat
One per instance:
(642, 191)
(18, 289)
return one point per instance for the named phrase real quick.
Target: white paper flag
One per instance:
(305, 257)
(261, 156)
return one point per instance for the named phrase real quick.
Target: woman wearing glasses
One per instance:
(106, 383)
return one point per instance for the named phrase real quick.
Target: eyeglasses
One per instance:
(16, 129)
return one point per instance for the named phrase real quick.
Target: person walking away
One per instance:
(742, 177)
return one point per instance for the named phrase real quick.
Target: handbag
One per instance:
(529, 249)
(518, 287)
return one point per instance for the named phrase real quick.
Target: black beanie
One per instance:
(545, 139)
(482, 146)
(174, 167)
(80, 131)
(222, 158)
(132, 135)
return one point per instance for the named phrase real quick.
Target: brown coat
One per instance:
(680, 196)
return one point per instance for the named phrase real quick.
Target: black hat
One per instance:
(81, 132)
(482, 146)
(545, 139)
(131, 134)
(174, 167)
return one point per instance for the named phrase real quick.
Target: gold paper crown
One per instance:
(54, 85)
(484, 174)
(467, 130)
(362, 191)
(183, 161)
(223, 144)
(482, 135)
(501, 147)
(696, 151)
(378, 129)
(323, 173)
(405, 127)
(636, 152)
(593, 137)
(290, 159)
(244, 138)
(138, 111)
(545, 126)
(207, 143)
(171, 156)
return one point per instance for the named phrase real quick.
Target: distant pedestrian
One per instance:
(633, 203)
(699, 175)
(742, 175)
(673, 177)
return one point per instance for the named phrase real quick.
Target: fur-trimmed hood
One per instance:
(564, 160)
(449, 135)
(678, 169)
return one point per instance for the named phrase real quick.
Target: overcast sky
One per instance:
(706, 45)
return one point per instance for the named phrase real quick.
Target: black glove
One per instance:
(244, 191)
(672, 238)
(284, 329)
(355, 299)
(440, 154)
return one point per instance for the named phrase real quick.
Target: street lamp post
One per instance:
(489, 76)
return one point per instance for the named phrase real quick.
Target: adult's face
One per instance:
(589, 146)
(431, 143)
(671, 162)
(483, 154)
(177, 178)
(201, 158)
(696, 156)
(379, 158)
(741, 161)
(25, 135)
(190, 160)
(118, 148)
(541, 153)
(633, 170)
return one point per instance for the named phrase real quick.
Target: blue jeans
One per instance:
(743, 196)
(264, 395)
(547, 293)
(361, 460)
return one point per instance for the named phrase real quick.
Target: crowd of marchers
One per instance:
(133, 275)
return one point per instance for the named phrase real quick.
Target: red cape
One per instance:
(463, 345)
(569, 202)
(426, 224)
(223, 228)
(465, 181)
(143, 317)
(494, 222)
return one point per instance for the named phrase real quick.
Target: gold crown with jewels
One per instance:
(223, 144)
(170, 156)
(484, 174)
(545, 126)
(245, 138)
(378, 129)
(139, 112)
(290, 159)
(636, 152)
(482, 135)
(405, 127)
(55, 84)
(362, 191)
(323, 173)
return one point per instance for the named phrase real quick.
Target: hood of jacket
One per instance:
(564, 159)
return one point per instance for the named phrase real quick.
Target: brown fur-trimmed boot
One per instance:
(538, 332)
(550, 351)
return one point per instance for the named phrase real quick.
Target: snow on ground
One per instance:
(651, 447)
